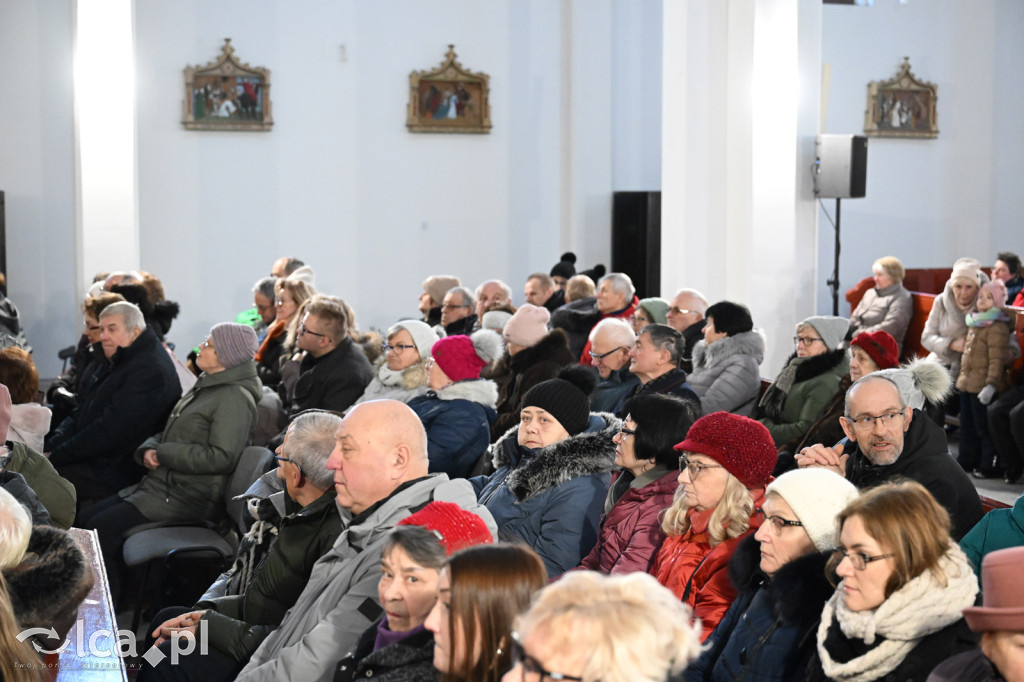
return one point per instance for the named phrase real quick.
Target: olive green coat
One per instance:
(55, 493)
(808, 398)
(199, 448)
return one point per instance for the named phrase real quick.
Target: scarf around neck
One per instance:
(985, 319)
(921, 607)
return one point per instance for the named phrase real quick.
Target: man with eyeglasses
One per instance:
(610, 343)
(686, 316)
(334, 371)
(886, 439)
(457, 316)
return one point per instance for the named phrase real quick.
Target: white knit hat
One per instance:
(816, 496)
(422, 335)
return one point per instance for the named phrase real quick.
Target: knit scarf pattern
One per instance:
(774, 399)
(985, 319)
(921, 607)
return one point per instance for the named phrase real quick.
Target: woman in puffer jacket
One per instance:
(725, 364)
(552, 472)
(945, 332)
(458, 410)
(630, 533)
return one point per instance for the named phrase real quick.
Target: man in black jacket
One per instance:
(890, 440)
(127, 397)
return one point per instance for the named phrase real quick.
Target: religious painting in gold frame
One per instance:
(227, 94)
(449, 99)
(902, 107)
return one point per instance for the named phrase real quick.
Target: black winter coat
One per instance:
(672, 382)
(769, 631)
(523, 371)
(577, 318)
(410, 660)
(126, 400)
(925, 459)
(333, 381)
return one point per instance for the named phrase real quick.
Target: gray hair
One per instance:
(864, 380)
(15, 529)
(311, 443)
(265, 287)
(504, 287)
(702, 302)
(466, 294)
(621, 283)
(618, 330)
(419, 543)
(664, 337)
(129, 312)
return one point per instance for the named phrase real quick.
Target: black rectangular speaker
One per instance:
(841, 166)
(636, 239)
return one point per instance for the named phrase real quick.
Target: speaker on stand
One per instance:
(840, 172)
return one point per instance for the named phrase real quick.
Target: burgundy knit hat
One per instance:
(457, 358)
(880, 346)
(740, 444)
(454, 527)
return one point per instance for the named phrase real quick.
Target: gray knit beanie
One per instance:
(832, 330)
(234, 343)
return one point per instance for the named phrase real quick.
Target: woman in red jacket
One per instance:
(630, 532)
(726, 463)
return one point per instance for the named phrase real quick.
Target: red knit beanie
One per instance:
(454, 527)
(740, 444)
(457, 358)
(880, 346)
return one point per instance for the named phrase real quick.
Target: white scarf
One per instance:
(919, 608)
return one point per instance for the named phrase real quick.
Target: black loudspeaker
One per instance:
(636, 239)
(841, 166)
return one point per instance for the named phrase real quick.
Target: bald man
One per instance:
(380, 475)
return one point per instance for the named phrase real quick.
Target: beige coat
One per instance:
(984, 357)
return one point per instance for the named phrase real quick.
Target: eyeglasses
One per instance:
(695, 468)
(449, 306)
(805, 340)
(867, 421)
(208, 343)
(602, 356)
(775, 523)
(304, 330)
(859, 560)
(288, 459)
(397, 347)
(529, 664)
(624, 432)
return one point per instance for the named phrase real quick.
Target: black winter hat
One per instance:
(566, 398)
(730, 318)
(565, 267)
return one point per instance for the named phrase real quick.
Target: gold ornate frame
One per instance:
(901, 107)
(226, 94)
(449, 99)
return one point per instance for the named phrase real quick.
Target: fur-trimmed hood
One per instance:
(798, 590)
(50, 582)
(481, 391)
(746, 343)
(534, 471)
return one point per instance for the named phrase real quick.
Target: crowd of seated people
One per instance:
(586, 486)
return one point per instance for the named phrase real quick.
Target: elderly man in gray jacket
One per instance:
(380, 474)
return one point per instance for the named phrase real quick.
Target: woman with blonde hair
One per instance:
(291, 293)
(897, 611)
(888, 306)
(725, 464)
(594, 628)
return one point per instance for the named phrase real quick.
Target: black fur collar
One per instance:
(798, 591)
(817, 364)
(590, 452)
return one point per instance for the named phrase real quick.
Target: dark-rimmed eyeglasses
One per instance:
(602, 356)
(289, 459)
(775, 523)
(303, 329)
(624, 432)
(805, 340)
(397, 347)
(529, 664)
(867, 421)
(859, 560)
